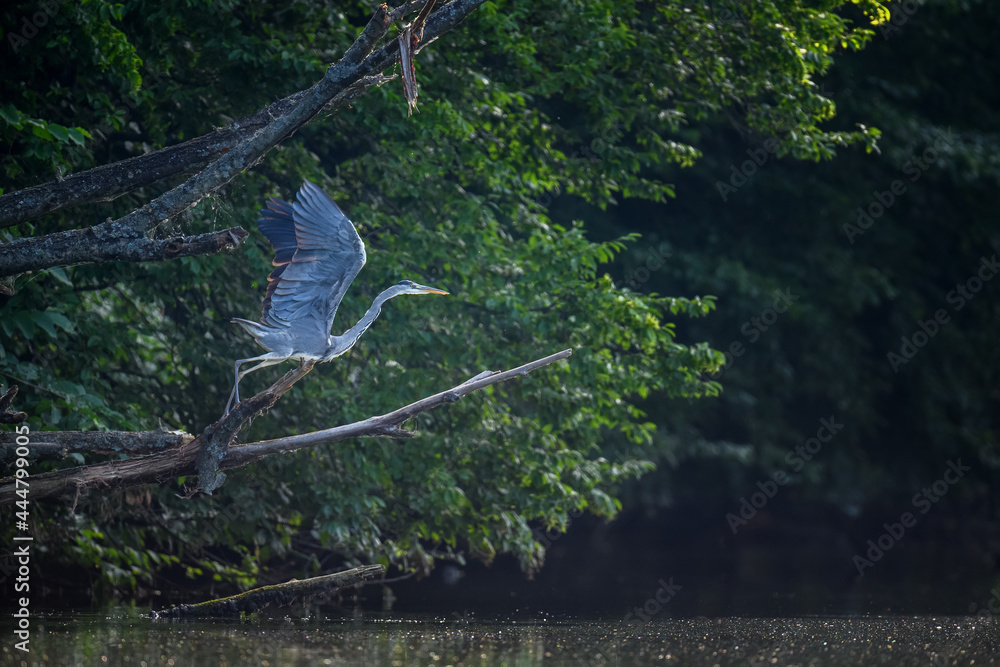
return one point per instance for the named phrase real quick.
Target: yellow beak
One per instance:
(424, 289)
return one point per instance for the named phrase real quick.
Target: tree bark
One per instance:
(94, 245)
(173, 463)
(37, 452)
(103, 442)
(358, 70)
(279, 594)
(110, 181)
(8, 416)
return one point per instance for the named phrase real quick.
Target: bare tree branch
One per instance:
(201, 244)
(97, 249)
(104, 442)
(8, 416)
(37, 452)
(349, 78)
(182, 461)
(408, 40)
(110, 181)
(383, 425)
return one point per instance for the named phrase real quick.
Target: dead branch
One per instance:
(280, 594)
(142, 249)
(41, 452)
(408, 39)
(110, 181)
(103, 442)
(215, 439)
(351, 76)
(157, 468)
(8, 416)
(384, 425)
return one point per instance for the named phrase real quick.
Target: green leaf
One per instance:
(11, 115)
(41, 131)
(77, 135)
(58, 131)
(59, 273)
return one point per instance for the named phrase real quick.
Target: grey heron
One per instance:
(317, 255)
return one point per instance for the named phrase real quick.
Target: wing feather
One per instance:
(318, 253)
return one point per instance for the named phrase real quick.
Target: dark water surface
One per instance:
(124, 637)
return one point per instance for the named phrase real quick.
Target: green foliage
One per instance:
(524, 103)
(859, 294)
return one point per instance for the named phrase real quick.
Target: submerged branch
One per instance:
(279, 594)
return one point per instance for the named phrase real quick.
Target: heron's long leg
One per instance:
(264, 359)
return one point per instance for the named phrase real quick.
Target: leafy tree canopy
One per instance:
(527, 101)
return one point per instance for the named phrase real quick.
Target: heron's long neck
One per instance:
(344, 342)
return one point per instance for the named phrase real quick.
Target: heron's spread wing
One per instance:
(317, 255)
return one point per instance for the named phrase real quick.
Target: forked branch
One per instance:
(167, 465)
(359, 69)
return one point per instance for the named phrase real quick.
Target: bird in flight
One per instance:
(317, 255)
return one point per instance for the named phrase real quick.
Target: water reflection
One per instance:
(124, 637)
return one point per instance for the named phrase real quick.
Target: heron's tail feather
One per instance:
(255, 329)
